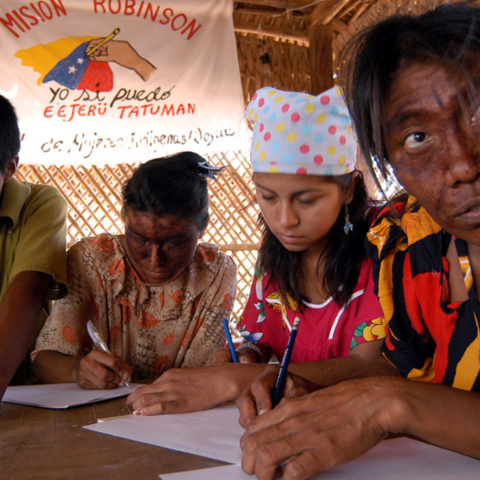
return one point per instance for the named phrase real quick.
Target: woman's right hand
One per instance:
(224, 356)
(257, 398)
(99, 370)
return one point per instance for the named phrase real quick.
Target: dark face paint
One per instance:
(432, 139)
(159, 247)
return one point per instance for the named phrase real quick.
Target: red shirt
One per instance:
(325, 331)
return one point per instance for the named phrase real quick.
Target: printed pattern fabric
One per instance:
(289, 123)
(325, 331)
(152, 327)
(428, 338)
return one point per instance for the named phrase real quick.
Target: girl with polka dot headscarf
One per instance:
(312, 262)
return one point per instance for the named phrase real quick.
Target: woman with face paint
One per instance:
(312, 263)
(412, 86)
(156, 295)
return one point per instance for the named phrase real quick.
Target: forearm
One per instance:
(330, 372)
(364, 361)
(144, 69)
(233, 378)
(438, 414)
(55, 367)
(19, 313)
(14, 345)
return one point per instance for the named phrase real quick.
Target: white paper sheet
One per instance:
(213, 433)
(60, 395)
(216, 434)
(232, 472)
(397, 459)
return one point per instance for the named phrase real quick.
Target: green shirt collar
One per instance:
(14, 196)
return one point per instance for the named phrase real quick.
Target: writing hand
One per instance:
(182, 390)
(320, 430)
(122, 53)
(99, 370)
(257, 398)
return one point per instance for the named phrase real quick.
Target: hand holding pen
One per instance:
(275, 382)
(229, 340)
(282, 374)
(99, 369)
(257, 398)
(230, 355)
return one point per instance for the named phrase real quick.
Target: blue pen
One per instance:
(229, 340)
(282, 374)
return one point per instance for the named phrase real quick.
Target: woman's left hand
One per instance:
(185, 390)
(318, 431)
(224, 356)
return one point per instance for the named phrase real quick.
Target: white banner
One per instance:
(116, 81)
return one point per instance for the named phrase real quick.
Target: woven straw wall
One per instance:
(94, 199)
(289, 63)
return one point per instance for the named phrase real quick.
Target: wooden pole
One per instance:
(321, 58)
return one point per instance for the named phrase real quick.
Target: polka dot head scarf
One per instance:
(298, 133)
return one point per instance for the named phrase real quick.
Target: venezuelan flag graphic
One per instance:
(64, 61)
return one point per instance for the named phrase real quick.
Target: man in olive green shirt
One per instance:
(32, 252)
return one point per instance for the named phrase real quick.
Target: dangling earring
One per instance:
(348, 225)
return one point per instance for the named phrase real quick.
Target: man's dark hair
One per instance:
(9, 134)
(448, 35)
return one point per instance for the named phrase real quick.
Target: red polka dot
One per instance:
(325, 100)
(343, 140)
(318, 159)
(267, 136)
(262, 126)
(295, 117)
(332, 129)
(254, 97)
(304, 148)
(261, 102)
(301, 171)
(286, 108)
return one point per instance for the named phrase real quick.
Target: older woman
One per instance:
(155, 294)
(414, 94)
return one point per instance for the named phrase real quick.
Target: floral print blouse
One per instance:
(152, 327)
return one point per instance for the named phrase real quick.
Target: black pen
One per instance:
(282, 374)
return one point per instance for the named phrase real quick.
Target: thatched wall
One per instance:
(94, 200)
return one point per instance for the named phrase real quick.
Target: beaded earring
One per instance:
(348, 224)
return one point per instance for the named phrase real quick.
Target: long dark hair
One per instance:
(447, 35)
(342, 256)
